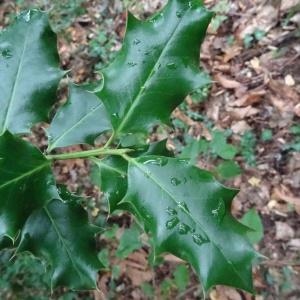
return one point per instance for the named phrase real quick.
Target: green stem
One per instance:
(109, 142)
(89, 153)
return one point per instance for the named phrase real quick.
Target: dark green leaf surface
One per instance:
(79, 121)
(29, 73)
(157, 67)
(61, 234)
(112, 179)
(188, 213)
(26, 183)
(110, 174)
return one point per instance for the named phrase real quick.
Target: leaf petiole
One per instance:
(89, 153)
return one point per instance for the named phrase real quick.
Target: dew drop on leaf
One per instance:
(171, 211)
(219, 211)
(27, 16)
(136, 42)
(170, 224)
(6, 53)
(183, 228)
(175, 181)
(183, 206)
(132, 64)
(178, 14)
(171, 66)
(199, 239)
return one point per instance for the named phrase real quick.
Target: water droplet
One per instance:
(27, 16)
(199, 239)
(136, 42)
(170, 224)
(115, 116)
(147, 174)
(171, 66)
(183, 228)
(179, 14)
(171, 211)
(183, 206)
(175, 181)
(132, 64)
(219, 212)
(6, 53)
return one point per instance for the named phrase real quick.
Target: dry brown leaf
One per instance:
(281, 105)
(297, 110)
(284, 231)
(265, 19)
(288, 4)
(231, 53)
(283, 91)
(249, 99)
(243, 112)
(224, 293)
(240, 127)
(283, 193)
(226, 82)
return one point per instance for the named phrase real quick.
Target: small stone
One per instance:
(284, 231)
(289, 80)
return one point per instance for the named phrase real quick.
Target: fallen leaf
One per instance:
(284, 194)
(243, 112)
(227, 82)
(284, 231)
(297, 110)
(240, 127)
(254, 181)
(288, 4)
(249, 99)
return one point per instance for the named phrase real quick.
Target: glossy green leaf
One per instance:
(253, 221)
(26, 183)
(79, 121)
(110, 174)
(157, 67)
(61, 234)
(188, 214)
(29, 73)
(111, 177)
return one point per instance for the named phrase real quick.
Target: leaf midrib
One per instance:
(150, 176)
(15, 85)
(27, 174)
(141, 91)
(81, 120)
(61, 238)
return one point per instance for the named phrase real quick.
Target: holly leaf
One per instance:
(188, 214)
(26, 183)
(110, 174)
(29, 73)
(79, 121)
(61, 234)
(156, 55)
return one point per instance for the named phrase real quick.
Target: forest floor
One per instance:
(252, 53)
